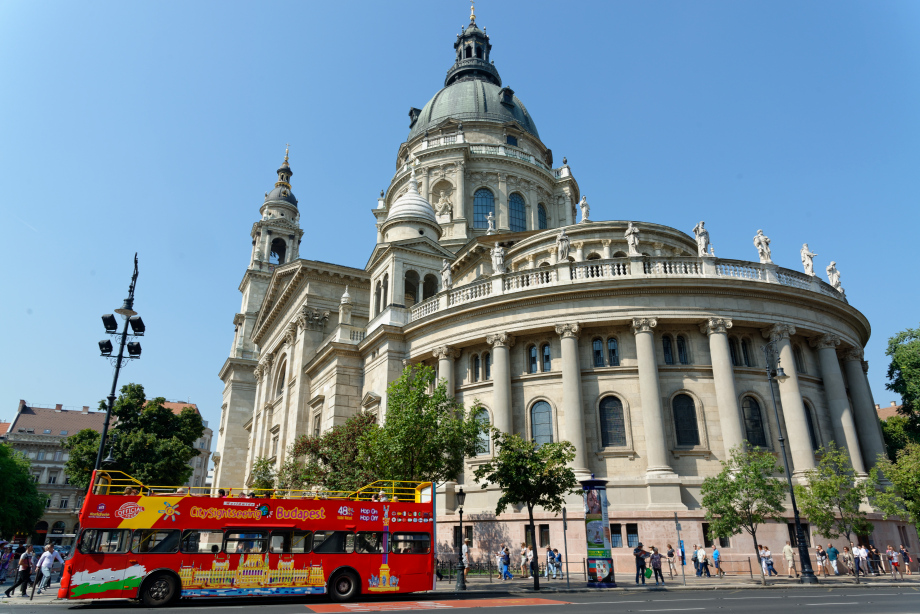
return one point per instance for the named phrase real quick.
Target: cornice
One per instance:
(243, 363)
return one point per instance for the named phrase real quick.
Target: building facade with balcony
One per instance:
(629, 339)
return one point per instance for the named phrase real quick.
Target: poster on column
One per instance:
(597, 534)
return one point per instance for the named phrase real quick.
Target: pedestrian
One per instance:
(848, 559)
(832, 555)
(893, 562)
(6, 560)
(523, 561)
(45, 564)
(550, 563)
(703, 561)
(640, 555)
(863, 553)
(905, 557)
(506, 564)
(821, 557)
(558, 566)
(498, 562)
(762, 559)
(24, 572)
(672, 570)
(465, 553)
(789, 555)
(696, 562)
(717, 561)
(531, 563)
(875, 558)
(655, 560)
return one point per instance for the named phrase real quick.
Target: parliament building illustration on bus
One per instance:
(252, 573)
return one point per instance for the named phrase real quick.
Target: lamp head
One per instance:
(105, 347)
(126, 310)
(110, 323)
(780, 374)
(461, 496)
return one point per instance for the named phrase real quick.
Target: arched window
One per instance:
(57, 527)
(280, 389)
(753, 422)
(541, 420)
(278, 251)
(482, 416)
(688, 433)
(532, 359)
(668, 351)
(483, 205)
(377, 299)
(746, 353)
(547, 359)
(412, 287)
(516, 213)
(613, 424)
(469, 51)
(430, 286)
(613, 352)
(812, 435)
(682, 355)
(386, 288)
(487, 365)
(476, 368)
(478, 52)
(542, 223)
(733, 351)
(597, 351)
(593, 256)
(619, 255)
(798, 358)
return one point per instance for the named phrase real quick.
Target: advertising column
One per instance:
(597, 534)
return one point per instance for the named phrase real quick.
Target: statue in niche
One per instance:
(833, 277)
(491, 221)
(703, 246)
(762, 243)
(562, 246)
(632, 240)
(447, 278)
(443, 206)
(808, 260)
(258, 256)
(498, 260)
(585, 209)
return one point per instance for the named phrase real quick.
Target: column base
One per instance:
(664, 490)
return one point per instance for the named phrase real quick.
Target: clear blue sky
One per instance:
(157, 127)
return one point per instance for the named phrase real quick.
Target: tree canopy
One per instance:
(904, 369)
(148, 441)
(903, 497)
(898, 432)
(22, 505)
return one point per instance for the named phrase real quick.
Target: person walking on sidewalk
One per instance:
(864, 560)
(25, 572)
(640, 555)
(703, 560)
(558, 566)
(506, 564)
(717, 561)
(875, 559)
(696, 561)
(7, 562)
(523, 561)
(832, 554)
(905, 557)
(531, 564)
(768, 559)
(848, 559)
(45, 564)
(550, 563)
(789, 555)
(655, 560)
(821, 557)
(672, 569)
(893, 562)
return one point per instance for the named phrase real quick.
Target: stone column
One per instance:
(871, 440)
(459, 195)
(567, 214)
(502, 219)
(656, 444)
(572, 406)
(446, 355)
(501, 380)
(606, 249)
(836, 393)
(803, 456)
(723, 376)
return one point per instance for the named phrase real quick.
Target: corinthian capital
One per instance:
(446, 351)
(643, 325)
(715, 325)
(569, 329)
(824, 342)
(500, 340)
(778, 331)
(258, 372)
(850, 354)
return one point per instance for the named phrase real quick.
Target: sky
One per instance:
(156, 127)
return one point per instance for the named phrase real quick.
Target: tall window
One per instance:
(632, 535)
(511, 140)
(733, 351)
(532, 359)
(541, 217)
(685, 426)
(798, 358)
(484, 440)
(516, 213)
(668, 351)
(487, 366)
(597, 350)
(483, 205)
(616, 536)
(541, 420)
(476, 368)
(812, 435)
(613, 426)
(613, 353)
(547, 359)
(746, 352)
(753, 422)
(682, 355)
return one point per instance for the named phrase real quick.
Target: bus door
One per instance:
(410, 560)
(246, 550)
(108, 569)
(204, 567)
(289, 559)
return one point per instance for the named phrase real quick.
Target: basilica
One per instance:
(629, 339)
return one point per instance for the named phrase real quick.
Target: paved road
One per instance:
(750, 601)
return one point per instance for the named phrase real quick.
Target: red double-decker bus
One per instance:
(158, 544)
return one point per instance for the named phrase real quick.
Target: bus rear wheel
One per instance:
(158, 590)
(344, 586)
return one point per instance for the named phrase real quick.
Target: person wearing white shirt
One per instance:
(45, 563)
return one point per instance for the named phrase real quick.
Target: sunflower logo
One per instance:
(170, 511)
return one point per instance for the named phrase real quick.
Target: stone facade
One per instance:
(624, 337)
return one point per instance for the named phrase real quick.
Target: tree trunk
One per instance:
(533, 536)
(763, 579)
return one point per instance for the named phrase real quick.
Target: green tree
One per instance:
(902, 498)
(22, 505)
(744, 495)
(898, 432)
(263, 474)
(426, 433)
(148, 441)
(537, 476)
(904, 370)
(333, 460)
(833, 497)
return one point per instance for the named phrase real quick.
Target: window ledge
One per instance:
(612, 452)
(697, 451)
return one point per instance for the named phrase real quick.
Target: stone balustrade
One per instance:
(673, 267)
(597, 269)
(522, 280)
(470, 292)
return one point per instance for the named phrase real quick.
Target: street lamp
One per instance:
(461, 567)
(106, 348)
(771, 355)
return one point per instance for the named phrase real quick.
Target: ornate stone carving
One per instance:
(447, 277)
(850, 354)
(762, 243)
(562, 246)
(312, 319)
(824, 341)
(833, 277)
(778, 331)
(491, 221)
(498, 260)
(715, 325)
(703, 245)
(500, 340)
(632, 240)
(585, 210)
(643, 325)
(290, 334)
(808, 260)
(258, 372)
(568, 330)
(443, 207)
(446, 351)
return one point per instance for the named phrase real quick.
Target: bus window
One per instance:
(156, 540)
(302, 542)
(245, 543)
(279, 543)
(369, 543)
(333, 542)
(107, 541)
(196, 541)
(410, 543)
(290, 542)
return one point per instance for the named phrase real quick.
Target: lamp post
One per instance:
(133, 320)
(461, 567)
(771, 354)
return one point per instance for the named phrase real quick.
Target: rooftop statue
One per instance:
(833, 277)
(808, 260)
(562, 246)
(585, 209)
(632, 240)
(762, 243)
(491, 220)
(447, 278)
(702, 241)
(498, 260)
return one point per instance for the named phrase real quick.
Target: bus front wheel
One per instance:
(158, 590)
(344, 586)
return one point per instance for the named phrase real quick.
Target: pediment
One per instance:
(421, 245)
(370, 400)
